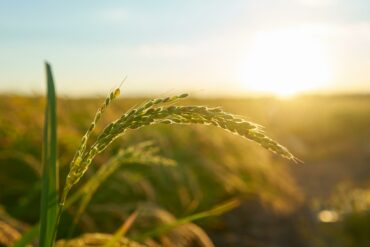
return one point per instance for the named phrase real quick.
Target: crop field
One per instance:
(185, 123)
(194, 185)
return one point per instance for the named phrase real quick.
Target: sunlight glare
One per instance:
(285, 62)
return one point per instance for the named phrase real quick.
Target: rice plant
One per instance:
(152, 112)
(143, 153)
(157, 112)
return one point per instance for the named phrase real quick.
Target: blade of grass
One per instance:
(49, 191)
(122, 230)
(218, 210)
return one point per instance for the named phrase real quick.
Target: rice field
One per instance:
(180, 183)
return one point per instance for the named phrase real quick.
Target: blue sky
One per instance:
(172, 46)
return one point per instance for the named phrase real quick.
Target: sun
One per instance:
(285, 62)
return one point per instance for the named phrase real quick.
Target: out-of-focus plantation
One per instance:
(323, 202)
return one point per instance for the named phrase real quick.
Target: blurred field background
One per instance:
(300, 68)
(324, 202)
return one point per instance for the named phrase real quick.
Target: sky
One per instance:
(205, 47)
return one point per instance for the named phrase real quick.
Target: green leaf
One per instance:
(49, 192)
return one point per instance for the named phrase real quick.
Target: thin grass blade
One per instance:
(215, 211)
(49, 191)
(122, 230)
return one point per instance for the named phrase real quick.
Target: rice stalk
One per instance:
(96, 240)
(143, 153)
(82, 147)
(157, 111)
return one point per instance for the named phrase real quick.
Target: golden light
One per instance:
(328, 216)
(285, 62)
